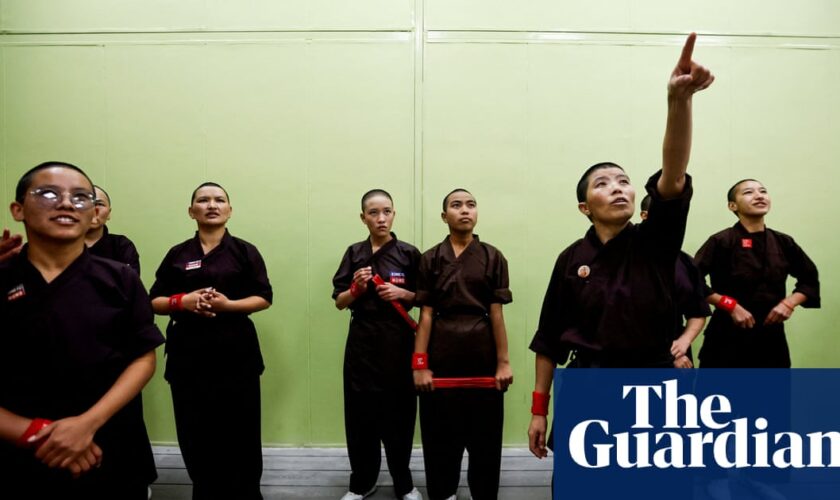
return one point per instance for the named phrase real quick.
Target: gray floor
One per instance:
(323, 473)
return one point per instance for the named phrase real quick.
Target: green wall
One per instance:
(298, 107)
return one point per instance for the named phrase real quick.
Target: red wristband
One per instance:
(34, 427)
(355, 290)
(727, 303)
(539, 403)
(420, 361)
(176, 302)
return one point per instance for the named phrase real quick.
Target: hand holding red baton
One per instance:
(378, 281)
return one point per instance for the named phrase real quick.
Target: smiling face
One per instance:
(210, 207)
(378, 215)
(58, 206)
(461, 214)
(610, 198)
(751, 200)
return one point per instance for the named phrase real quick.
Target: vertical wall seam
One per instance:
(310, 435)
(419, 66)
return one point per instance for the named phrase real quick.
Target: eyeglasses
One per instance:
(49, 197)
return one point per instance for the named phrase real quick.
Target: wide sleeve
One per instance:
(805, 271)
(664, 228)
(704, 261)
(411, 270)
(695, 302)
(141, 334)
(132, 257)
(344, 275)
(552, 321)
(166, 280)
(259, 284)
(426, 278)
(500, 280)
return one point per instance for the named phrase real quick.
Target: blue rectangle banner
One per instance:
(706, 434)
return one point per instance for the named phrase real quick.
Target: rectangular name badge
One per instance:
(746, 242)
(16, 293)
(196, 264)
(398, 278)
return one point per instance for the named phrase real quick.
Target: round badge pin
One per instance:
(583, 271)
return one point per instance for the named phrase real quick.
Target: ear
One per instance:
(362, 217)
(643, 214)
(17, 211)
(190, 212)
(443, 217)
(583, 207)
(732, 206)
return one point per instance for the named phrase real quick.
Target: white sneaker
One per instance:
(148, 493)
(413, 495)
(355, 496)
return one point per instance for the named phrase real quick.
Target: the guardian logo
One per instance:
(694, 432)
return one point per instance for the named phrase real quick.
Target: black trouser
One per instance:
(17, 484)
(218, 427)
(373, 417)
(452, 420)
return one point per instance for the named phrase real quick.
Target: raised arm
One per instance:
(687, 78)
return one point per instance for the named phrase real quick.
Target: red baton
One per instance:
(377, 280)
(465, 383)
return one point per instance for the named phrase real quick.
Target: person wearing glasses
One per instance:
(102, 242)
(209, 285)
(78, 344)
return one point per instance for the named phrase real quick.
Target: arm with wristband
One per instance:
(740, 316)
(538, 430)
(70, 440)
(420, 360)
(30, 433)
(357, 287)
(197, 302)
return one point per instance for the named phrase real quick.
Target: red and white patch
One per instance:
(16, 293)
(584, 271)
(195, 264)
(746, 242)
(398, 278)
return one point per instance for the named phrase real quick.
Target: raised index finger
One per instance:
(687, 51)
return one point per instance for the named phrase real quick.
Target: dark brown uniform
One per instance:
(461, 344)
(213, 367)
(614, 304)
(753, 269)
(64, 345)
(691, 295)
(380, 403)
(117, 247)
